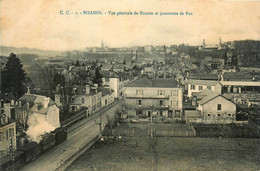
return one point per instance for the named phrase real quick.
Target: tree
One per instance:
(13, 77)
(98, 76)
(77, 63)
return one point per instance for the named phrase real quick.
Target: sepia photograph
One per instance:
(129, 85)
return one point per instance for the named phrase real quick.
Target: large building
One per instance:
(211, 108)
(41, 107)
(148, 97)
(7, 133)
(107, 95)
(86, 97)
(116, 80)
(217, 109)
(199, 85)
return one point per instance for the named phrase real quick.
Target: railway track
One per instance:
(78, 123)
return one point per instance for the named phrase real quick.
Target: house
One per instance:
(199, 85)
(86, 97)
(149, 71)
(107, 96)
(42, 107)
(115, 80)
(7, 133)
(146, 97)
(216, 109)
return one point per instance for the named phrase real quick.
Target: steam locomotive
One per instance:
(28, 152)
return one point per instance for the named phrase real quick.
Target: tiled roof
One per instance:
(209, 95)
(202, 82)
(203, 76)
(79, 69)
(32, 100)
(208, 98)
(237, 75)
(109, 74)
(159, 82)
(105, 90)
(202, 93)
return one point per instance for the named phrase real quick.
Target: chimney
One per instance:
(111, 72)
(150, 84)
(2, 103)
(95, 88)
(36, 107)
(12, 102)
(87, 87)
(28, 90)
(194, 101)
(46, 102)
(7, 109)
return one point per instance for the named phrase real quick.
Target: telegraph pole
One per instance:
(100, 124)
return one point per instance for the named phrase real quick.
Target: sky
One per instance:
(39, 24)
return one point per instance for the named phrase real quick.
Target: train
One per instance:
(28, 152)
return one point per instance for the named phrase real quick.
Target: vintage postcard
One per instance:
(129, 85)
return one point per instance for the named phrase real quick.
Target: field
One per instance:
(170, 153)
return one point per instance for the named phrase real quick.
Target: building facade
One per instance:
(40, 106)
(216, 109)
(7, 134)
(199, 85)
(86, 97)
(154, 97)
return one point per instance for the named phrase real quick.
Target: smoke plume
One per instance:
(38, 127)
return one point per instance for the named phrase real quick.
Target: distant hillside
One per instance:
(5, 51)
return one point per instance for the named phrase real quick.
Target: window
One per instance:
(7, 135)
(106, 79)
(83, 100)
(219, 107)
(174, 103)
(161, 92)
(209, 114)
(1, 135)
(1, 153)
(218, 115)
(200, 87)
(139, 102)
(229, 114)
(161, 102)
(139, 92)
(192, 87)
(174, 92)
(208, 87)
(10, 132)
